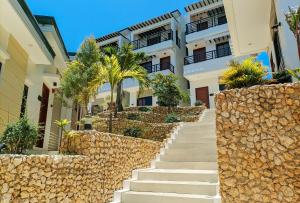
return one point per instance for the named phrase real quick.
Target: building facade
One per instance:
(194, 47)
(32, 58)
(162, 40)
(267, 30)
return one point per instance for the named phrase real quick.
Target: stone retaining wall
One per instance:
(258, 138)
(103, 162)
(152, 131)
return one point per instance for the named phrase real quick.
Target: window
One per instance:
(148, 66)
(202, 26)
(145, 101)
(222, 20)
(24, 101)
(223, 49)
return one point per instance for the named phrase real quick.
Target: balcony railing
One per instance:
(152, 39)
(159, 67)
(207, 56)
(206, 23)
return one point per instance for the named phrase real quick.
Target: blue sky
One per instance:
(78, 19)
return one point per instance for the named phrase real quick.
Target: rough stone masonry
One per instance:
(258, 138)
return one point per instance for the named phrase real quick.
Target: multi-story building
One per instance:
(32, 57)
(257, 26)
(208, 49)
(162, 39)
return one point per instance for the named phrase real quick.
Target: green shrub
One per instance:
(133, 132)
(198, 103)
(144, 109)
(133, 116)
(295, 73)
(248, 73)
(20, 136)
(172, 118)
(282, 76)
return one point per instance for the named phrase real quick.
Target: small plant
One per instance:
(144, 109)
(248, 73)
(172, 118)
(198, 103)
(20, 136)
(295, 73)
(133, 132)
(282, 76)
(62, 125)
(133, 116)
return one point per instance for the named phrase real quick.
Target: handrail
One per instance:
(207, 56)
(159, 67)
(204, 23)
(152, 39)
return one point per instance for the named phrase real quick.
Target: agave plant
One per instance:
(293, 20)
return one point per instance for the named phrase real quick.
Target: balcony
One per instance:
(207, 64)
(207, 56)
(153, 39)
(159, 67)
(206, 23)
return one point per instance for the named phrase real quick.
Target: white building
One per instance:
(162, 39)
(258, 25)
(32, 58)
(208, 49)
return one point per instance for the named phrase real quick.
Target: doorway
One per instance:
(43, 115)
(202, 94)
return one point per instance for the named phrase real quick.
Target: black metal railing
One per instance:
(159, 67)
(152, 39)
(206, 23)
(205, 56)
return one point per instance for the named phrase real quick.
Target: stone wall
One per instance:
(152, 131)
(103, 162)
(258, 138)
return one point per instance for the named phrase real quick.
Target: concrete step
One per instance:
(197, 188)
(182, 139)
(197, 134)
(189, 146)
(179, 175)
(186, 157)
(186, 165)
(150, 197)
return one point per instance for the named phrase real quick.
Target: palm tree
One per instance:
(110, 71)
(129, 60)
(293, 20)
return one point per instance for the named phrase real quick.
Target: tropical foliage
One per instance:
(293, 20)
(80, 72)
(248, 73)
(295, 73)
(172, 118)
(109, 71)
(167, 90)
(128, 60)
(133, 132)
(20, 136)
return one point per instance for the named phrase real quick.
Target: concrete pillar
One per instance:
(154, 101)
(133, 99)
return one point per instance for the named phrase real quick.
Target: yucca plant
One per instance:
(109, 71)
(293, 20)
(248, 73)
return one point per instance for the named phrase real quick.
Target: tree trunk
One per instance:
(298, 44)
(111, 110)
(119, 106)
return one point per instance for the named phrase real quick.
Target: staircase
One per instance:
(184, 172)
